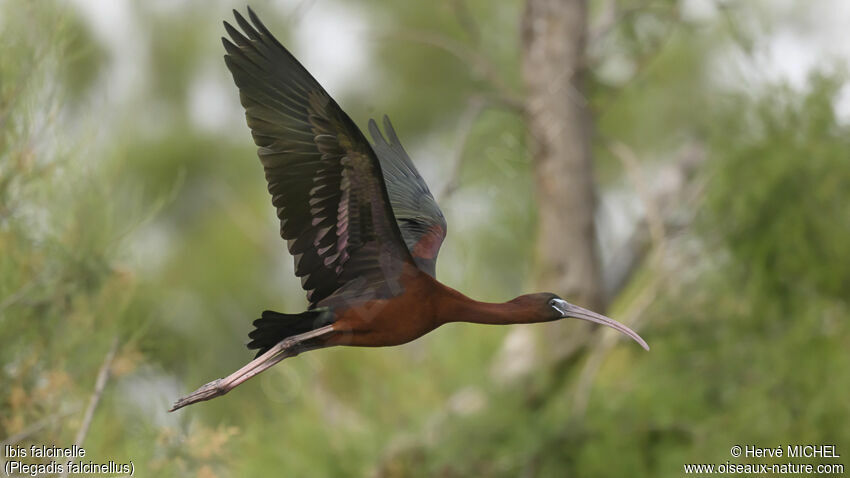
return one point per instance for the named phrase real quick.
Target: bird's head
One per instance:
(557, 308)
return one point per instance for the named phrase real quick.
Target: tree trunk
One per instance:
(560, 125)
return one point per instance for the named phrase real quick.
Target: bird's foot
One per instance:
(206, 392)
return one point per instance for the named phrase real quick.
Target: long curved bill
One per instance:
(574, 311)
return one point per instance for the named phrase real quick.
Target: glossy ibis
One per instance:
(358, 218)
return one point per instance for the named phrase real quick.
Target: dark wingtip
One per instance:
(229, 47)
(228, 27)
(243, 24)
(253, 16)
(391, 134)
(373, 130)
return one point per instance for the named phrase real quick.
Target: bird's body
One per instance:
(424, 305)
(393, 321)
(358, 218)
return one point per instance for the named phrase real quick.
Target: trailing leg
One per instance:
(288, 347)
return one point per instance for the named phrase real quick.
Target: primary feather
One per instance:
(350, 224)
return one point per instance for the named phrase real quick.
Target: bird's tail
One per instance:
(272, 327)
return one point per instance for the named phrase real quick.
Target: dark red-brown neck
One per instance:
(456, 307)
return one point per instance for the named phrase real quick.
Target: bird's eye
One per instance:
(552, 302)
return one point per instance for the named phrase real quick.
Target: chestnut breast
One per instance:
(387, 322)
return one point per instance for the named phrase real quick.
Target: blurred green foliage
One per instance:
(122, 215)
(782, 190)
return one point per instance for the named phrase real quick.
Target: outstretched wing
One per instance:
(419, 218)
(324, 178)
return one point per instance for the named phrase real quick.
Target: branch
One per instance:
(481, 64)
(642, 62)
(631, 164)
(30, 430)
(633, 317)
(14, 297)
(683, 191)
(612, 16)
(675, 186)
(475, 107)
(100, 384)
(466, 20)
(37, 426)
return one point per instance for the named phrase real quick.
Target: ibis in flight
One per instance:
(357, 217)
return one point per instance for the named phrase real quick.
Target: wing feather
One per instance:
(419, 218)
(324, 178)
